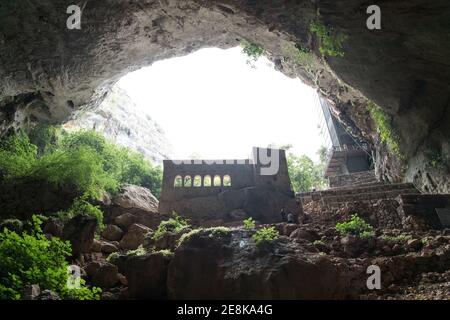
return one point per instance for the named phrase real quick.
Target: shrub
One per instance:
(83, 159)
(81, 206)
(384, 128)
(330, 41)
(356, 226)
(17, 156)
(265, 235)
(140, 251)
(249, 223)
(252, 50)
(175, 224)
(31, 258)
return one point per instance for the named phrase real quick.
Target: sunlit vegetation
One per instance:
(29, 258)
(265, 235)
(83, 159)
(176, 224)
(305, 174)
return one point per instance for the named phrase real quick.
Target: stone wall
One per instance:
(247, 191)
(352, 179)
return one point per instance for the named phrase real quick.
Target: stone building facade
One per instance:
(229, 189)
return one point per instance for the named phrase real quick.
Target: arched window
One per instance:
(217, 181)
(197, 181)
(178, 182)
(188, 181)
(207, 181)
(226, 181)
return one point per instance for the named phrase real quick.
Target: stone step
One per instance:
(380, 195)
(434, 209)
(358, 190)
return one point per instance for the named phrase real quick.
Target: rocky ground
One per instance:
(310, 260)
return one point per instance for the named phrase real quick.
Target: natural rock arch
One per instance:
(48, 71)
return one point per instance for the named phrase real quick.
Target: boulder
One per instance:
(53, 226)
(106, 276)
(138, 203)
(147, 276)
(96, 246)
(31, 292)
(305, 234)
(108, 247)
(92, 268)
(48, 295)
(125, 220)
(80, 232)
(134, 237)
(112, 233)
(227, 265)
(414, 244)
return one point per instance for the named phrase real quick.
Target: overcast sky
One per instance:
(212, 103)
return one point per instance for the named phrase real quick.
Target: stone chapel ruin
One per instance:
(228, 189)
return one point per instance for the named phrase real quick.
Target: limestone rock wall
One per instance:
(48, 71)
(121, 120)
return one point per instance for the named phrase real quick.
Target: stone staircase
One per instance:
(353, 179)
(385, 204)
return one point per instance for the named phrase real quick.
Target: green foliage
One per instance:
(140, 251)
(165, 252)
(331, 42)
(83, 159)
(249, 223)
(44, 137)
(175, 224)
(212, 232)
(304, 173)
(31, 258)
(81, 206)
(384, 128)
(265, 235)
(17, 156)
(252, 50)
(356, 226)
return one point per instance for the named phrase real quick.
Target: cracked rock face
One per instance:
(48, 71)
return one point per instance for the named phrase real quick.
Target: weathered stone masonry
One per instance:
(245, 192)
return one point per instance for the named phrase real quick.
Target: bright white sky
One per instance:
(212, 103)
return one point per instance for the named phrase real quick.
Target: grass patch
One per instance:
(176, 224)
(81, 206)
(212, 232)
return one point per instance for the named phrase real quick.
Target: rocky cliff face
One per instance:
(48, 71)
(119, 119)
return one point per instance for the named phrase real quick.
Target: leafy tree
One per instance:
(304, 173)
